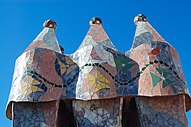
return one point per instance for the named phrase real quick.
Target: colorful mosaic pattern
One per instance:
(161, 72)
(97, 85)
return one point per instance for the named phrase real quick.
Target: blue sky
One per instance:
(21, 21)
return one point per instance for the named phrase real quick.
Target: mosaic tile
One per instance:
(97, 113)
(98, 85)
(34, 114)
(155, 111)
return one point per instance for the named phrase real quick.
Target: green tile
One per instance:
(166, 82)
(160, 71)
(155, 79)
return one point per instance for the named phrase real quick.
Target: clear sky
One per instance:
(21, 21)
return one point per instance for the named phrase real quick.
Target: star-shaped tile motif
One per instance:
(123, 63)
(98, 83)
(162, 77)
(30, 85)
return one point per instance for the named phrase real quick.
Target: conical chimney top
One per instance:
(46, 38)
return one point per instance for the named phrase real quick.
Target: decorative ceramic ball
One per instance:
(95, 20)
(140, 17)
(50, 24)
